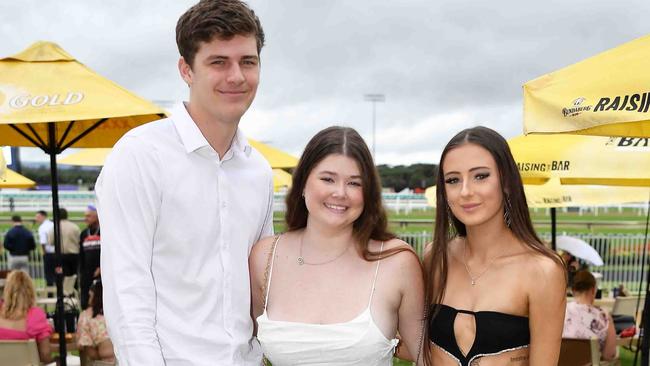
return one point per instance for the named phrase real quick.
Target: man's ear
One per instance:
(185, 70)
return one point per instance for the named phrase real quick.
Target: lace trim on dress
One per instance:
(479, 355)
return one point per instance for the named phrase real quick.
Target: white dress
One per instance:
(355, 342)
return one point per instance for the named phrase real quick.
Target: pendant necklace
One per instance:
(469, 273)
(301, 259)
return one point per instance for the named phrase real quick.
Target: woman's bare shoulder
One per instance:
(263, 246)
(405, 260)
(536, 266)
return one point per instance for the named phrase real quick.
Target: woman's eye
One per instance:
(325, 179)
(451, 180)
(482, 176)
(356, 184)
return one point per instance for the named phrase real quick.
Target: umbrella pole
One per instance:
(553, 228)
(60, 313)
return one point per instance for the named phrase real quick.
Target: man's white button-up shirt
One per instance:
(178, 223)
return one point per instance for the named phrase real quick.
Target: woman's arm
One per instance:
(44, 350)
(90, 352)
(609, 350)
(257, 263)
(105, 350)
(547, 304)
(411, 309)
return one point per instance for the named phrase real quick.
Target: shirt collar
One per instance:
(193, 139)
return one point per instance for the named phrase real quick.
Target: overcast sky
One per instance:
(443, 65)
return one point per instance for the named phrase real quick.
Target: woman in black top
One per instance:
(496, 294)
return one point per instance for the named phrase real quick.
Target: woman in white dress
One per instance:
(337, 287)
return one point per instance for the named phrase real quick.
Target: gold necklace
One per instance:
(469, 273)
(301, 259)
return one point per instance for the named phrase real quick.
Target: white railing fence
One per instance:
(622, 254)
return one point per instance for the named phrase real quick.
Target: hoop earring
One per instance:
(450, 219)
(507, 206)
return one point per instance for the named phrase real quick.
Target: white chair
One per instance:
(19, 353)
(626, 305)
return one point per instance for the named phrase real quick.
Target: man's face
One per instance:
(90, 217)
(223, 79)
(39, 218)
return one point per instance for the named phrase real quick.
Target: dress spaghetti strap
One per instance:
(374, 280)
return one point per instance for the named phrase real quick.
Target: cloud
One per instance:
(443, 65)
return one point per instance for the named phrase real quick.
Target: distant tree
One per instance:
(411, 176)
(41, 175)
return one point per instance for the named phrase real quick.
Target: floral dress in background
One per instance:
(584, 322)
(91, 331)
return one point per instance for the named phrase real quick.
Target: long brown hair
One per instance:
(437, 266)
(19, 296)
(372, 223)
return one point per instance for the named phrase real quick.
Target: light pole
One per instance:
(374, 98)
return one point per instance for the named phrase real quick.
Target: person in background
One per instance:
(92, 336)
(583, 320)
(20, 319)
(19, 242)
(44, 226)
(69, 243)
(89, 252)
(572, 266)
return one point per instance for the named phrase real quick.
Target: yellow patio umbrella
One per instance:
(281, 180)
(15, 180)
(44, 90)
(576, 159)
(606, 95)
(96, 157)
(51, 101)
(86, 157)
(554, 194)
(277, 158)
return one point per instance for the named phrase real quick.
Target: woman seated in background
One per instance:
(20, 319)
(92, 336)
(583, 320)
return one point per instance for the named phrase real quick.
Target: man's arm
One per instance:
(128, 205)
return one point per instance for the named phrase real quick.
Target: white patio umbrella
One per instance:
(579, 248)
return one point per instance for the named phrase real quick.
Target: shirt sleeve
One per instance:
(267, 226)
(128, 199)
(37, 325)
(50, 235)
(8, 244)
(42, 235)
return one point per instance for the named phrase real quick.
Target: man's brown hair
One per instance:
(208, 19)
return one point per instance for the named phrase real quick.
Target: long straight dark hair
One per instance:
(372, 224)
(437, 266)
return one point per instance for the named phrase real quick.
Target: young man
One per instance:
(19, 242)
(44, 226)
(182, 200)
